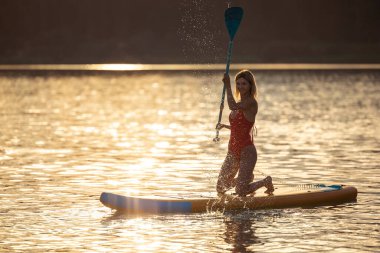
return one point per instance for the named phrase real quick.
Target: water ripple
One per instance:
(65, 139)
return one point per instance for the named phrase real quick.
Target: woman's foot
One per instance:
(268, 184)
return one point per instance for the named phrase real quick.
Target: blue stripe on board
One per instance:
(175, 207)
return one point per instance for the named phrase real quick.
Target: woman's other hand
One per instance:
(220, 126)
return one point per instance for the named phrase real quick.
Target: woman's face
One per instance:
(243, 86)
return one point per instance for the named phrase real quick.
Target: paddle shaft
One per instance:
(229, 52)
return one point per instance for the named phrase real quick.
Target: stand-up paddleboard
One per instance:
(283, 197)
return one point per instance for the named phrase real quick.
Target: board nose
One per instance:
(103, 198)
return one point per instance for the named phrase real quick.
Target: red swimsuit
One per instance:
(240, 133)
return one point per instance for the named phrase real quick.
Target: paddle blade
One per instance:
(232, 17)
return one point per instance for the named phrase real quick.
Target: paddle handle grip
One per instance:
(229, 53)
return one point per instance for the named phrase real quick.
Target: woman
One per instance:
(242, 155)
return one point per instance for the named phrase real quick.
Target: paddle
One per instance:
(232, 18)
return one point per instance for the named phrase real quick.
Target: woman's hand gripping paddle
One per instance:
(232, 18)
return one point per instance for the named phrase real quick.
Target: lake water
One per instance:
(65, 138)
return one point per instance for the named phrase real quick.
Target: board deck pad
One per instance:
(283, 197)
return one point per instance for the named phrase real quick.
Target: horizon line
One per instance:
(188, 67)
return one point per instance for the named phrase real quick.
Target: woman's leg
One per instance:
(227, 174)
(248, 161)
